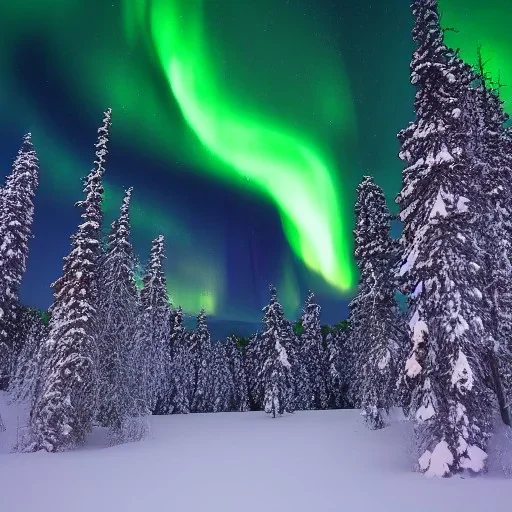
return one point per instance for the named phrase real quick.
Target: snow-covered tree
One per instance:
(222, 379)
(486, 139)
(201, 352)
(336, 368)
(240, 396)
(178, 368)
(66, 403)
(117, 312)
(312, 355)
(276, 372)
(375, 333)
(33, 332)
(442, 268)
(153, 329)
(253, 362)
(16, 215)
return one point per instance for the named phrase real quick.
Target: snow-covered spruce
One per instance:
(177, 393)
(375, 331)
(153, 330)
(32, 333)
(312, 355)
(336, 367)
(118, 403)
(16, 216)
(489, 145)
(236, 363)
(222, 391)
(201, 351)
(65, 407)
(440, 202)
(275, 369)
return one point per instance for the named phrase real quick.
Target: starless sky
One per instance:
(243, 125)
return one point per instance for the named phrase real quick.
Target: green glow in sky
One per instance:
(273, 158)
(486, 24)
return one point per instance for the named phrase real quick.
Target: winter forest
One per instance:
(111, 351)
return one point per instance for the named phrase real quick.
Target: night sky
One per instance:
(243, 125)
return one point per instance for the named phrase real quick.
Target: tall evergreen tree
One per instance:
(486, 140)
(153, 329)
(313, 355)
(16, 216)
(253, 362)
(442, 267)
(376, 335)
(276, 372)
(336, 368)
(222, 380)
(240, 397)
(201, 351)
(66, 405)
(117, 311)
(33, 333)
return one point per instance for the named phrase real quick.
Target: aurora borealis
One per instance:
(244, 127)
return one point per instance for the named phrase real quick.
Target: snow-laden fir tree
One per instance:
(222, 379)
(486, 143)
(201, 352)
(240, 396)
(253, 362)
(304, 396)
(375, 333)
(313, 356)
(153, 329)
(442, 269)
(16, 216)
(180, 368)
(117, 311)
(276, 372)
(65, 407)
(33, 333)
(336, 367)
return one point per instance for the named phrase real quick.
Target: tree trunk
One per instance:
(500, 393)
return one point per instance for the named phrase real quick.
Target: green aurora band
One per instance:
(277, 161)
(253, 118)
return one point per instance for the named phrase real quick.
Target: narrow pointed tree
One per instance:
(28, 365)
(276, 372)
(240, 397)
(16, 216)
(336, 368)
(181, 368)
(153, 329)
(66, 406)
(375, 333)
(442, 270)
(253, 363)
(118, 308)
(222, 379)
(201, 350)
(313, 355)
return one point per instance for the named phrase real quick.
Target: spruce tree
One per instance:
(201, 351)
(237, 367)
(253, 362)
(313, 356)
(16, 216)
(486, 142)
(222, 379)
(336, 368)
(442, 268)
(276, 372)
(375, 333)
(33, 333)
(117, 311)
(66, 403)
(153, 329)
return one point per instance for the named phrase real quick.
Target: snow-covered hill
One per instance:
(324, 461)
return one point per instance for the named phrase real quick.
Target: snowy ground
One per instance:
(324, 461)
